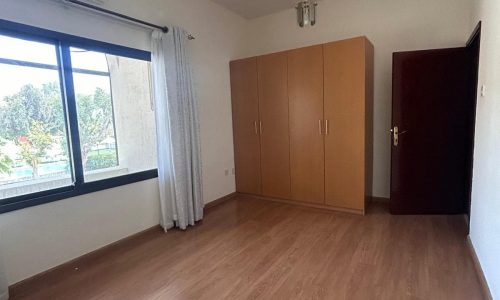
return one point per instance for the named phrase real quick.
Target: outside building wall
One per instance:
(134, 114)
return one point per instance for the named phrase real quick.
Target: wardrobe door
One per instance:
(245, 103)
(305, 94)
(275, 143)
(345, 115)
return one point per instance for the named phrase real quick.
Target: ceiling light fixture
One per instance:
(306, 13)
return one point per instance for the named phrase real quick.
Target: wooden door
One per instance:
(275, 142)
(305, 93)
(433, 111)
(245, 103)
(345, 93)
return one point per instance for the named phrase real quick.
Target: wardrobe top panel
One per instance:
(285, 51)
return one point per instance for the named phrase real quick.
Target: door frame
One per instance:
(475, 37)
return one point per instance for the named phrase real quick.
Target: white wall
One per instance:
(4, 286)
(38, 238)
(218, 34)
(391, 25)
(485, 214)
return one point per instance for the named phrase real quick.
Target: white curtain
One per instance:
(177, 130)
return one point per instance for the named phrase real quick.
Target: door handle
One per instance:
(320, 127)
(260, 127)
(327, 127)
(255, 127)
(395, 135)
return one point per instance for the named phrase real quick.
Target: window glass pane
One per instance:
(18, 49)
(115, 116)
(88, 60)
(33, 141)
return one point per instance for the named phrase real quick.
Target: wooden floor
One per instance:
(254, 249)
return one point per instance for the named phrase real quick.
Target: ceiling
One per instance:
(250, 9)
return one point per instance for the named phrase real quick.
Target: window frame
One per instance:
(62, 43)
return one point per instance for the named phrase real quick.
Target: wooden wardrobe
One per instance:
(302, 124)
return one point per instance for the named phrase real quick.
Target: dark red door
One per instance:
(431, 109)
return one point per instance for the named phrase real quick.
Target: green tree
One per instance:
(25, 114)
(31, 105)
(31, 118)
(5, 161)
(95, 120)
(34, 146)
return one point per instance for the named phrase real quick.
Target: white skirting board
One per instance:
(479, 271)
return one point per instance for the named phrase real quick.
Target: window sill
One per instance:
(39, 198)
(106, 173)
(50, 183)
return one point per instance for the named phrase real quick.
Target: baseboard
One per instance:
(4, 296)
(466, 219)
(26, 285)
(311, 205)
(380, 199)
(219, 201)
(479, 271)
(18, 289)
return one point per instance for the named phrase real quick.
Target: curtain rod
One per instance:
(121, 16)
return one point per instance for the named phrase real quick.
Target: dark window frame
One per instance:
(63, 42)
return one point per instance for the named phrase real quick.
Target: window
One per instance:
(115, 115)
(33, 140)
(76, 116)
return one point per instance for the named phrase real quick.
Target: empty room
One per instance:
(235, 149)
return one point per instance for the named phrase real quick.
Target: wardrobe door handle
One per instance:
(260, 126)
(320, 127)
(255, 127)
(327, 129)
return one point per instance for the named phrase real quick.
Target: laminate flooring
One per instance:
(248, 248)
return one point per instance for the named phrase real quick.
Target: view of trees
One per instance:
(34, 119)
(34, 145)
(5, 161)
(29, 106)
(95, 117)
